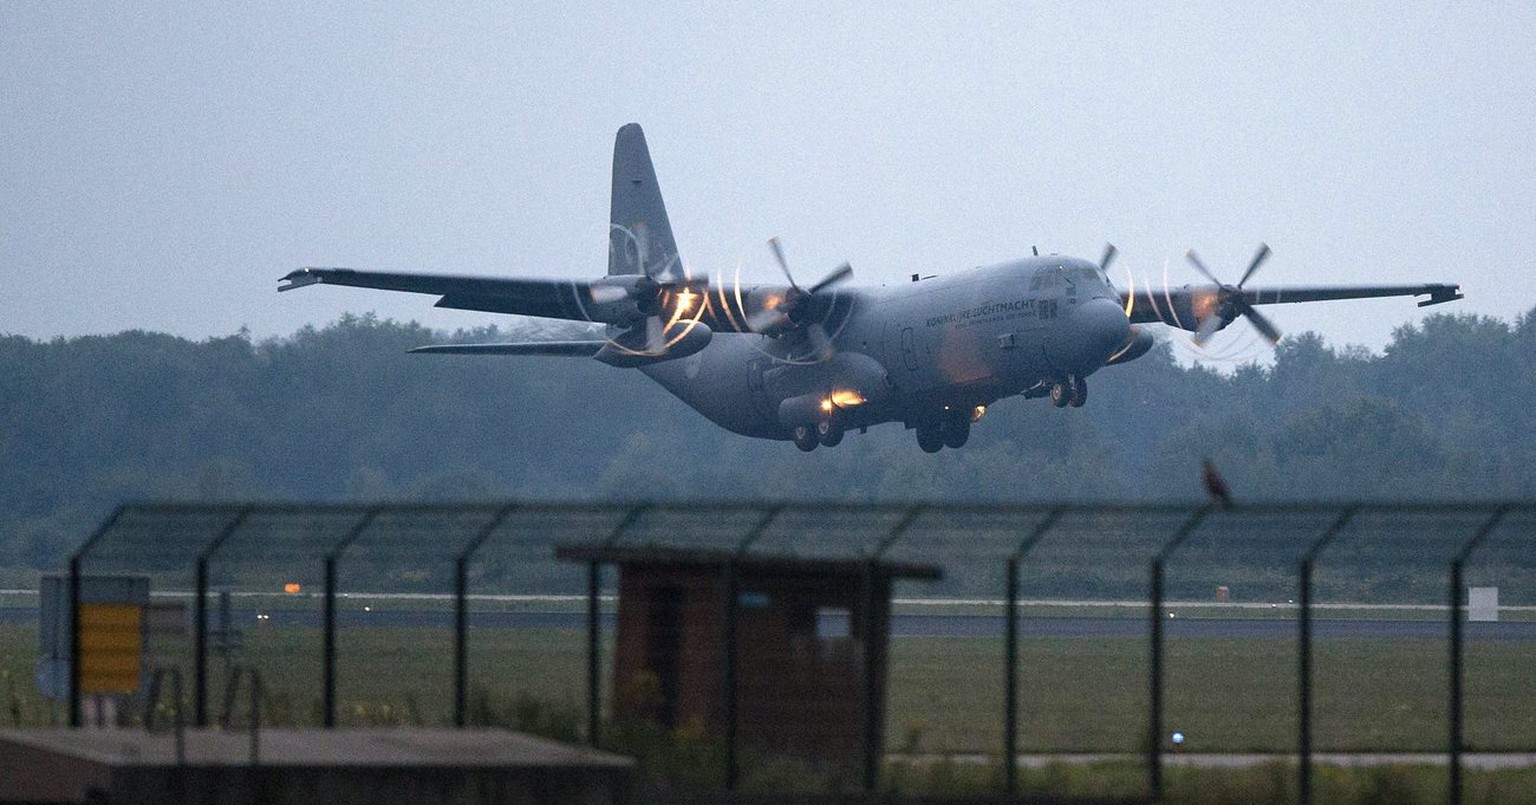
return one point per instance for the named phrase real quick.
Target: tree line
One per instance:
(342, 413)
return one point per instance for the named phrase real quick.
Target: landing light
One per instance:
(685, 299)
(978, 412)
(845, 399)
(826, 404)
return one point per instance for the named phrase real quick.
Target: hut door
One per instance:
(664, 649)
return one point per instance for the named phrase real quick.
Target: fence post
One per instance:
(328, 646)
(1457, 609)
(594, 625)
(1304, 654)
(1155, 720)
(200, 619)
(74, 639)
(1011, 682)
(594, 674)
(75, 562)
(730, 681)
(1011, 661)
(870, 694)
(461, 613)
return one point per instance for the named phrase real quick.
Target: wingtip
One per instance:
(298, 279)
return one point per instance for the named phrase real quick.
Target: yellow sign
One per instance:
(111, 647)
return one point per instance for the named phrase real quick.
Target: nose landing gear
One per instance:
(1071, 391)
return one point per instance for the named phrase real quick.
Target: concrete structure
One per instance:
(337, 767)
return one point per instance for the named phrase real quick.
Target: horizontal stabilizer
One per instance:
(567, 349)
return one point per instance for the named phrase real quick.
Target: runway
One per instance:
(908, 625)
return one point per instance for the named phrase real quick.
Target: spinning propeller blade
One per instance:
(1231, 302)
(785, 320)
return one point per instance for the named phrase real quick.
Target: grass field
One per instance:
(945, 694)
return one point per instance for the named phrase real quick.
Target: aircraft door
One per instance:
(756, 390)
(904, 355)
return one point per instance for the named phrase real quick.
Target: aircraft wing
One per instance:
(569, 349)
(1182, 307)
(555, 299)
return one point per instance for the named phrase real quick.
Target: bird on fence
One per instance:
(1217, 486)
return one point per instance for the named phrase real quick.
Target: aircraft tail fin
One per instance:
(639, 236)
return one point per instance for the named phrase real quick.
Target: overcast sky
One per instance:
(162, 165)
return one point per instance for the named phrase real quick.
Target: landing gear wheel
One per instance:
(957, 429)
(829, 434)
(806, 438)
(1061, 394)
(930, 438)
(1079, 394)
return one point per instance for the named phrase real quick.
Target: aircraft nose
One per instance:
(1104, 327)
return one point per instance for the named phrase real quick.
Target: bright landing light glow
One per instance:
(846, 399)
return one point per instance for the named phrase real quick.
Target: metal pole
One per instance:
(873, 659)
(200, 618)
(594, 577)
(461, 613)
(871, 730)
(1457, 611)
(594, 691)
(200, 643)
(731, 682)
(328, 649)
(74, 640)
(1304, 654)
(1454, 761)
(1011, 684)
(1155, 721)
(1304, 685)
(1011, 662)
(732, 615)
(460, 626)
(74, 613)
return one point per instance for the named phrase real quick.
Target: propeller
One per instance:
(670, 300)
(795, 311)
(1109, 257)
(1231, 302)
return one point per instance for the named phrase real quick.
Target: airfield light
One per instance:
(293, 588)
(1178, 738)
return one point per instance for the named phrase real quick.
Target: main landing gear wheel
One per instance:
(1072, 391)
(806, 438)
(1061, 394)
(957, 429)
(830, 435)
(930, 438)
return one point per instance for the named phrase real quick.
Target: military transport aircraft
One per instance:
(807, 363)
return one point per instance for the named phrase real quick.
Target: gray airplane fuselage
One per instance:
(808, 363)
(909, 352)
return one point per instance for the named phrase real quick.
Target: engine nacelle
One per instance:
(629, 349)
(1137, 344)
(621, 299)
